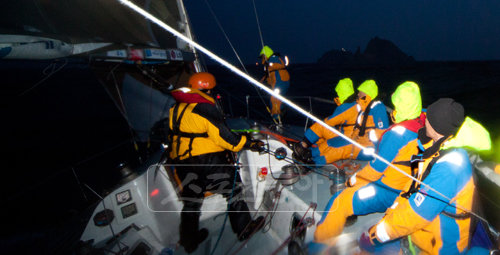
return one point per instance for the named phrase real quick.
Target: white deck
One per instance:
(156, 222)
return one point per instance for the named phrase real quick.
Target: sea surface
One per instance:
(64, 134)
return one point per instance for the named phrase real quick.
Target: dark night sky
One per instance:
(304, 30)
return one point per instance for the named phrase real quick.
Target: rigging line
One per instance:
(225, 35)
(150, 109)
(235, 52)
(168, 28)
(112, 73)
(53, 71)
(79, 184)
(241, 102)
(267, 68)
(258, 24)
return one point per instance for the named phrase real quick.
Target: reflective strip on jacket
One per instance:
(398, 144)
(277, 71)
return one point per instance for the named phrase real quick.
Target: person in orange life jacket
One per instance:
(436, 224)
(376, 186)
(276, 76)
(200, 148)
(345, 100)
(363, 121)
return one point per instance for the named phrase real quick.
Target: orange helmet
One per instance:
(202, 80)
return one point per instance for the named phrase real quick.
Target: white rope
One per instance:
(281, 98)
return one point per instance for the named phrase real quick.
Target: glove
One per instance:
(301, 153)
(351, 181)
(365, 242)
(256, 145)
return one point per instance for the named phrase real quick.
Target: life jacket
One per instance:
(363, 126)
(404, 139)
(420, 171)
(413, 125)
(471, 134)
(434, 154)
(340, 127)
(359, 124)
(197, 127)
(452, 218)
(275, 67)
(188, 97)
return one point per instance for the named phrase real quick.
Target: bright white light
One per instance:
(373, 136)
(369, 151)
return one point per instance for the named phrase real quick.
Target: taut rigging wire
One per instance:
(125, 114)
(236, 53)
(225, 35)
(258, 24)
(53, 69)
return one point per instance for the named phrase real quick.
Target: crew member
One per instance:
(276, 76)
(201, 146)
(345, 100)
(436, 213)
(376, 186)
(363, 121)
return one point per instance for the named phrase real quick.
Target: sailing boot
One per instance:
(190, 236)
(241, 221)
(253, 227)
(239, 215)
(191, 244)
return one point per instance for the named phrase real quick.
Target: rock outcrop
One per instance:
(378, 52)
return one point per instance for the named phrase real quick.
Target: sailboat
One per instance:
(142, 215)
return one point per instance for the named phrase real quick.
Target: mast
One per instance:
(186, 26)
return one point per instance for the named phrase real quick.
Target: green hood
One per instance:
(344, 89)
(370, 88)
(471, 135)
(268, 52)
(407, 102)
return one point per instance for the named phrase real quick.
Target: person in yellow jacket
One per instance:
(363, 120)
(200, 146)
(436, 213)
(376, 186)
(277, 77)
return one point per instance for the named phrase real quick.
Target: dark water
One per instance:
(67, 132)
(64, 131)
